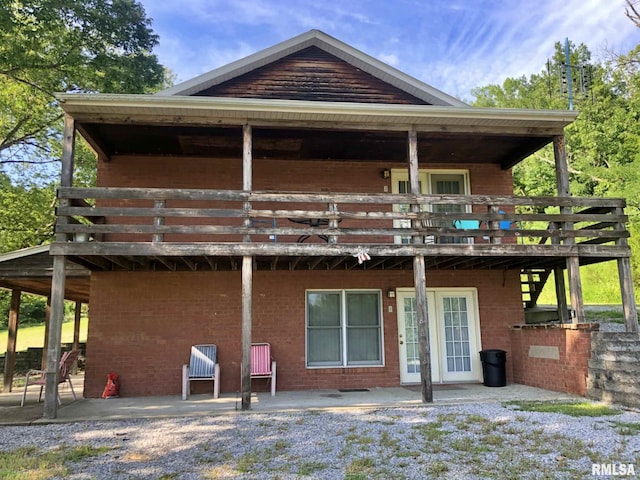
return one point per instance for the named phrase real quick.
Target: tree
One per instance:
(27, 214)
(49, 46)
(633, 12)
(603, 143)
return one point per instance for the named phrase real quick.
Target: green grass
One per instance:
(627, 428)
(600, 286)
(33, 336)
(574, 409)
(30, 463)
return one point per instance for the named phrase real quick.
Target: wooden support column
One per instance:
(561, 295)
(625, 276)
(628, 301)
(47, 323)
(76, 333)
(561, 291)
(573, 263)
(58, 281)
(10, 357)
(158, 221)
(247, 275)
(420, 278)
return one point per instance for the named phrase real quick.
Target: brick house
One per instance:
(232, 209)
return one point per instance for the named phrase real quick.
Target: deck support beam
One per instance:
(573, 263)
(561, 295)
(625, 276)
(10, 357)
(247, 275)
(50, 410)
(420, 278)
(77, 315)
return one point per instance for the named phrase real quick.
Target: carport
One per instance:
(30, 270)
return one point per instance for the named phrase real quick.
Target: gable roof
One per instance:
(322, 41)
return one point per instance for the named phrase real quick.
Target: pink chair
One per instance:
(39, 377)
(262, 364)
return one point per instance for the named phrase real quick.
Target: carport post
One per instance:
(76, 333)
(10, 357)
(58, 281)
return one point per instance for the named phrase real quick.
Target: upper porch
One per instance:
(196, 229)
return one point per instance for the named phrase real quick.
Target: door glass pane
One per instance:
(456, 333)
(403, 188)
(411, 335)
(449, 184)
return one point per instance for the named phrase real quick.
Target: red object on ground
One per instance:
(112, 389)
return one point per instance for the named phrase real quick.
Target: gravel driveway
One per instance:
(487, 440)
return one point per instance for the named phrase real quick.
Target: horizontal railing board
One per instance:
(292, 231)
(606, 220)
(345, 198)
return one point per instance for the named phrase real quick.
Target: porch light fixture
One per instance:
(386, 173)
(391, 293)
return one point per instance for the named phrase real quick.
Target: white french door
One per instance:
(454, 335)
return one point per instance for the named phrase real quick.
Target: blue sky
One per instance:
(453, 45)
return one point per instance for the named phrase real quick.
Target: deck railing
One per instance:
(160, 215)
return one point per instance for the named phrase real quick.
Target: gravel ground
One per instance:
(454, 442)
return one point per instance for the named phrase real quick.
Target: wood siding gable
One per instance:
(313, 75)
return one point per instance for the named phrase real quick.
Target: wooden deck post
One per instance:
(10, 357)
(247, 275)
(420, 278)
(76, 333)
(558, 275)
(58, 281)
(625, 276)
(573, 263)
(561, 295)
(47, 323)
(158, 221)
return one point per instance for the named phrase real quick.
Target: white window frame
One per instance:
(343, 328)
(425, 177)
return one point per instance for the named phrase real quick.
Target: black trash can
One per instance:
(493, 367)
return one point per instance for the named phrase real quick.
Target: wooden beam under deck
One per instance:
(94, 250)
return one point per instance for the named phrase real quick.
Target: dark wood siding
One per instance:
(312, 74)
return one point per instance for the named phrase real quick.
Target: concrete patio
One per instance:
(85, 409)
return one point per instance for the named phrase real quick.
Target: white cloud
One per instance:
(452, 46)
(389, 58)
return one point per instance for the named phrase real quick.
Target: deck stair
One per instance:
(533, 281)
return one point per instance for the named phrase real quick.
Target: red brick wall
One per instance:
(567, 374)
(142, 324)
(286, 175)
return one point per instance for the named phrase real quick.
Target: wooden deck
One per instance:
(178, 229)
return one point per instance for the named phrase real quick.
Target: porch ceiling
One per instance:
(311, 144)
(210, 126)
